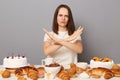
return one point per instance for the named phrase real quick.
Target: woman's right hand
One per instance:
(52, 38)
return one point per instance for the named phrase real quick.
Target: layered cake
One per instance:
(15, 61)
(101, 62)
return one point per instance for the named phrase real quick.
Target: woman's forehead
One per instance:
(63, 11)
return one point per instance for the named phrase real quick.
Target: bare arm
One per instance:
(76, 46)
(58, 43)
(50, 48)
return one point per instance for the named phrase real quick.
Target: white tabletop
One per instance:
(13, 77)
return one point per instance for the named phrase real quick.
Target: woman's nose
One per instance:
(63, 17)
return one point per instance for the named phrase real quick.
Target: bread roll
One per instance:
(41, 72)
(6, 74)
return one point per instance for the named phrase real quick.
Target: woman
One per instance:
(63, 43)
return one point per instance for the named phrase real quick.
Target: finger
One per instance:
(82, 28)
(79, 27)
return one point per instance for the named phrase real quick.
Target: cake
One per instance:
(15, 61)
(101, 62)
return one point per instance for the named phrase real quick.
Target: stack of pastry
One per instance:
(101, 62)
(98, 72)
(66, 74)
(31, 72)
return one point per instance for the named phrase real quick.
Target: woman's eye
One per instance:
(60, 15)
(66, 16)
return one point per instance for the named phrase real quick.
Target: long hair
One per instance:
(70, 25)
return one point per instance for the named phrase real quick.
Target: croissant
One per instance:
(33, 75)
(63, 75)
(19, 72)
(71, 71)
(116, 67)
(98, 72)
(108, 75)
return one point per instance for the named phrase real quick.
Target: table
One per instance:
(13, 77)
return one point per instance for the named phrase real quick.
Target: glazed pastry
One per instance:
(106, 60)
(97, 58)
(6, 74)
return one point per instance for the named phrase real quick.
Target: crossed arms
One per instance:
(58, 43)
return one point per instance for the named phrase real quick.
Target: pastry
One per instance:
(41, 72)
(64, 75)
(96, 72)
(32, 75)
(6, 74)
(115, 67)
(106, 59)
(97, 58)
(19, 72)
(79, 70)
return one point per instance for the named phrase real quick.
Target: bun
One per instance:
(41, 72)
(6, 74)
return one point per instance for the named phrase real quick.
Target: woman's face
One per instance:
(62, 17)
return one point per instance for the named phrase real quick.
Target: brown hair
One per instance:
(70, 25)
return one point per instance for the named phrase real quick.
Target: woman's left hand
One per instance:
(77, 33)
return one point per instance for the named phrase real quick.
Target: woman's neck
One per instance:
(62, 29)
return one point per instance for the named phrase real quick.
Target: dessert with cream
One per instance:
(101, 62)
(15, 61)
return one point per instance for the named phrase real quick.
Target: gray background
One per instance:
(21, 23)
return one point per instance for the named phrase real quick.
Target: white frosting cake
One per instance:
(15, 61)
(95, 64)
